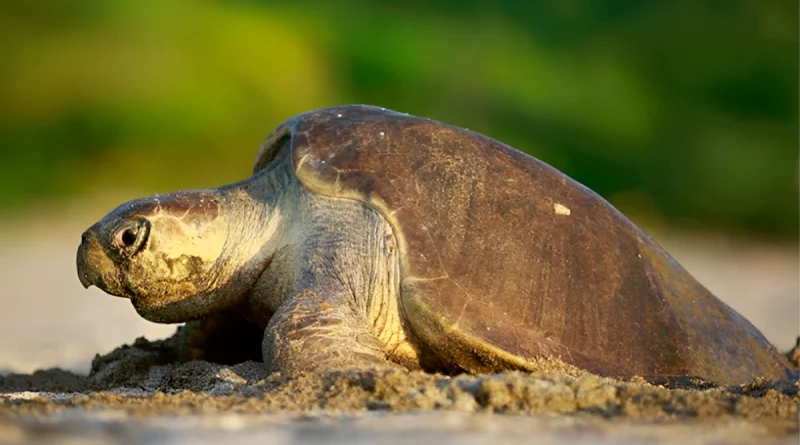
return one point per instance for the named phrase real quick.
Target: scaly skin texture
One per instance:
(318, 274)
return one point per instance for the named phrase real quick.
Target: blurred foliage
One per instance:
(683, 111)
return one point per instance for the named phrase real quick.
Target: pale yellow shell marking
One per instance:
(561, 209)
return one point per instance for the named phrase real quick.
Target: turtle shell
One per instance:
(505, 260)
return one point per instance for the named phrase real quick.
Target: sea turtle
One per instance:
(370, 239)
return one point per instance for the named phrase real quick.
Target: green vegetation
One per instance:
(683, 112)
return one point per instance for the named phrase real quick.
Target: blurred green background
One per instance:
(682, 113)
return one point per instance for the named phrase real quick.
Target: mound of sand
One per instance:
(150, 378)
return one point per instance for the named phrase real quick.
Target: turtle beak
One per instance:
(95, 268)
(87, 274)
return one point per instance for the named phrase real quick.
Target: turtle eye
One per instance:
(127, 237)
(132, 238)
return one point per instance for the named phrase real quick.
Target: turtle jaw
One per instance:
(95, 268)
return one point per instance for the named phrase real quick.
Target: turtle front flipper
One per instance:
(318, 332)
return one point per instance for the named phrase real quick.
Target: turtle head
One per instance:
(178, 256)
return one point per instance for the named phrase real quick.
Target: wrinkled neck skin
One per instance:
(250, 224)
(345, 252)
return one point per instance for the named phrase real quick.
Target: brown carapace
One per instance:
(515, 261)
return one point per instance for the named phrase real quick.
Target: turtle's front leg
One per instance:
(309, 333)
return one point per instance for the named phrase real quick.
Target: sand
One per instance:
(147, 382)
